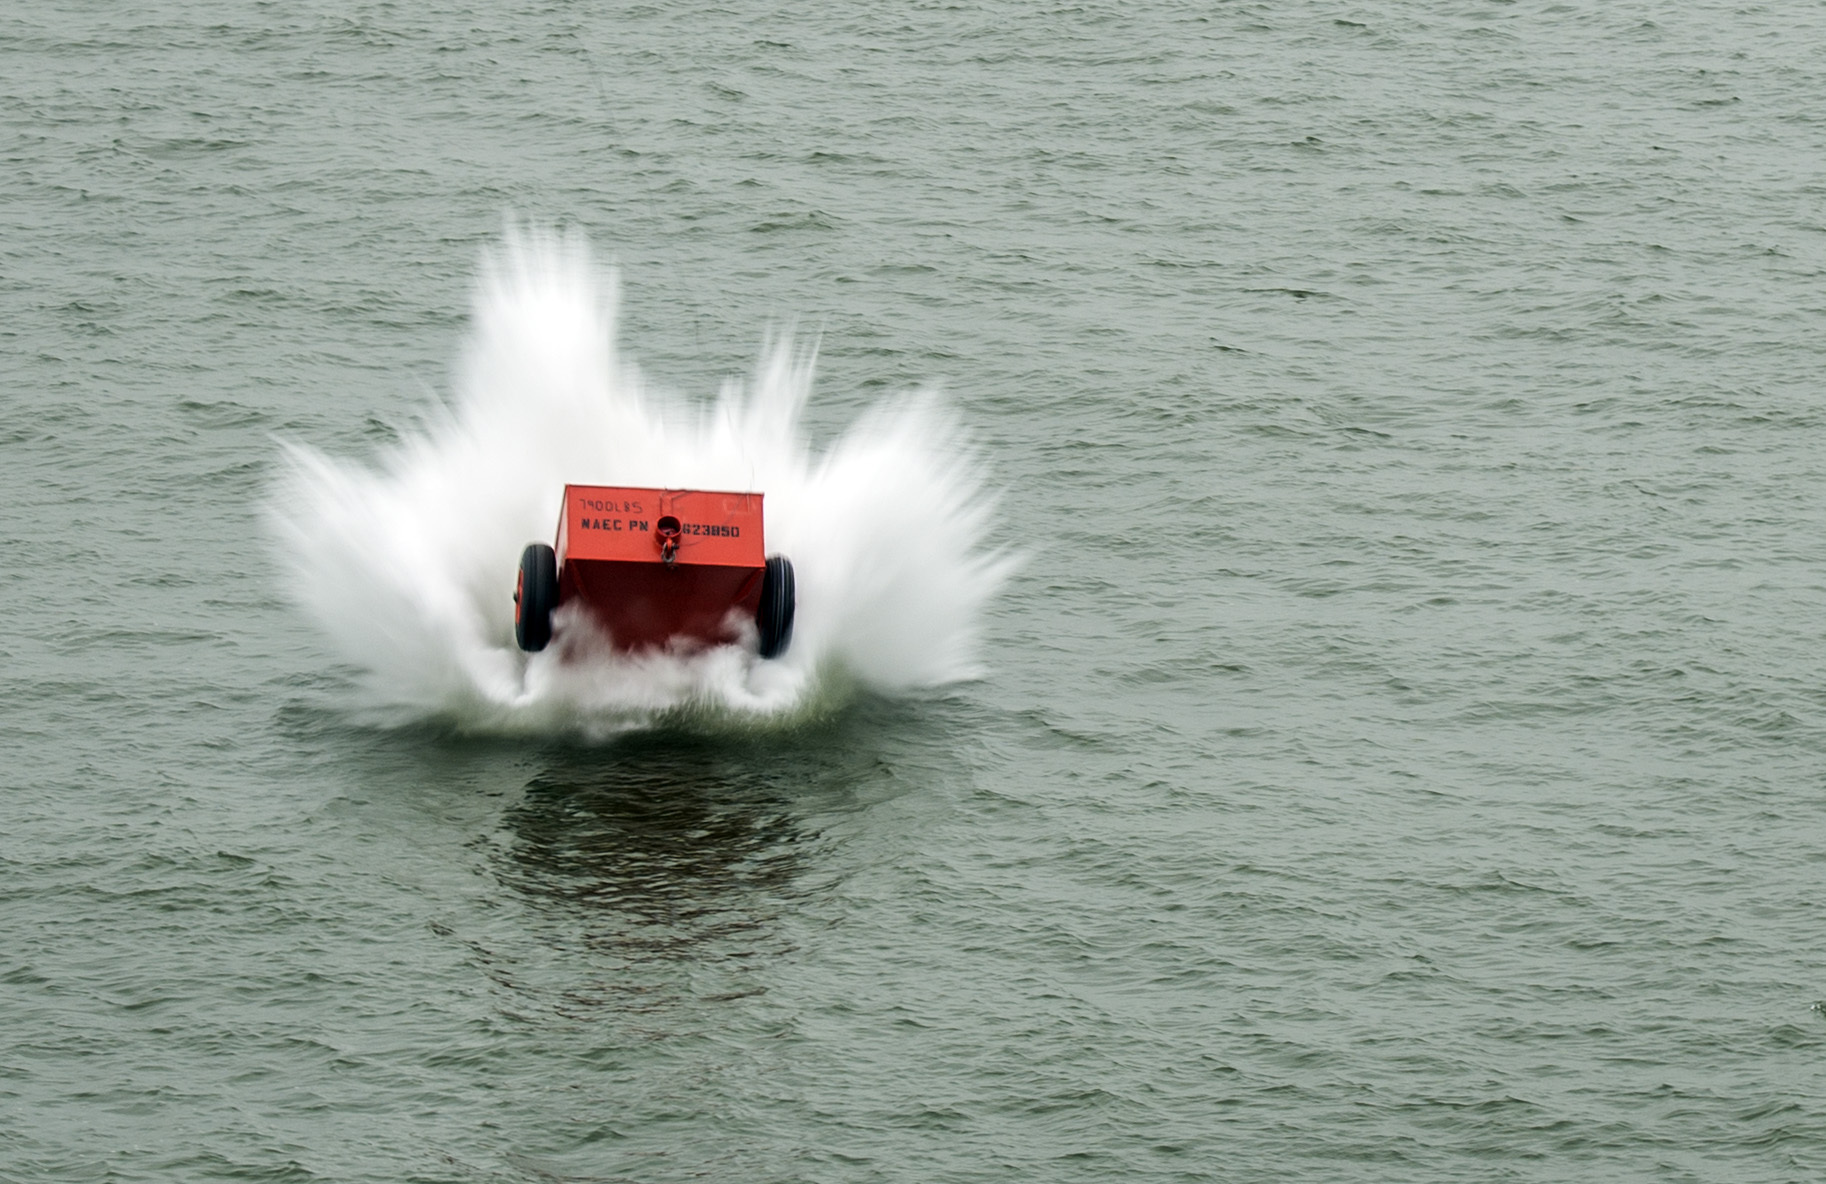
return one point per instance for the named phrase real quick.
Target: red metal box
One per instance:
(654, 565)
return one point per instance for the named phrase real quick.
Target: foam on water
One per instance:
(409, 565)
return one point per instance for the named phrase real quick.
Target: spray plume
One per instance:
(408, 566)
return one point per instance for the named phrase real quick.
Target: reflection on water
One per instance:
(674, 868)
(661, 844)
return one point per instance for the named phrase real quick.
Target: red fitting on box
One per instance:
(665, 531)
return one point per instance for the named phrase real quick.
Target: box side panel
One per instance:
(645, 605)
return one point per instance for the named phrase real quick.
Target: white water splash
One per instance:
(409, 566)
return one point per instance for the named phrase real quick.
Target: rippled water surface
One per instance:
(1402, 752)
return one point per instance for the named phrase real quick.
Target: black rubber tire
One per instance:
(535, 597)
(778, 599)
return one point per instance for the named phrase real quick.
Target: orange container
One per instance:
(652, 565)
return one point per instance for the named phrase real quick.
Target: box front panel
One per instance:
(621, 523)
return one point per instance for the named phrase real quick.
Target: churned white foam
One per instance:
(408, 564)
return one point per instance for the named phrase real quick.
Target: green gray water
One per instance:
(1402, 754)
